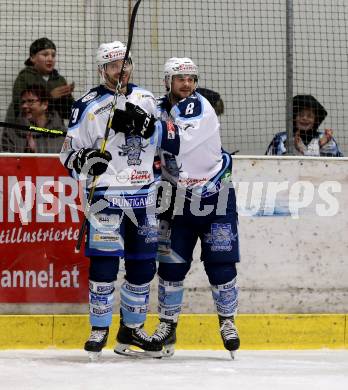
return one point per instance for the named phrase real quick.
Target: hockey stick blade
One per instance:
(34, 129)
(108, 127)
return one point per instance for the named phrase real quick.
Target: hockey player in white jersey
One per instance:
(126, 224)
(200, 173)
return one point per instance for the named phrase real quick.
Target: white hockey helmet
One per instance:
(110, 52)
(175, 66)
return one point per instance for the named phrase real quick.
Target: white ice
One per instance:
(187, 370)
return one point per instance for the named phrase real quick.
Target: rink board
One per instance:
(293, 257)
(195, 331)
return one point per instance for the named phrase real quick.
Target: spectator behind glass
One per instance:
(40, 70)
(34, 110)
(308, 114)
(213, 98)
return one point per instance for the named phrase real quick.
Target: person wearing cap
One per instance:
(308, 114)
(35, 111)
(40, 70)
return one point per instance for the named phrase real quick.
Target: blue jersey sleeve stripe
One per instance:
(226, 164)
(156, 138)
(85, 111)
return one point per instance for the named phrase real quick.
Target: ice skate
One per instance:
(96, 342)
(127, 338)
(166, 335)
(229, 334)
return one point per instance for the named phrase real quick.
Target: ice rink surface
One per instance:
(189, 370)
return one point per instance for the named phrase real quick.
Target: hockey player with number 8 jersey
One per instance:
(200, 176)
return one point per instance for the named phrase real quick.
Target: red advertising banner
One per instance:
(40, 212)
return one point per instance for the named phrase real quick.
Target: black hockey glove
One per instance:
(96, 168)
(122, 122)
(144, 123)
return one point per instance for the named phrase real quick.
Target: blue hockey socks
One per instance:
(226, 298)
(134, 303)
(170, 296)
(101, 301)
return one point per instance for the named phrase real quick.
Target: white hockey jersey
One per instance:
(132, 156)
(200, 159)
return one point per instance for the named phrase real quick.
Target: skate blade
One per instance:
(94, 356)
(126, 350)
(168, 350)
(232, 354)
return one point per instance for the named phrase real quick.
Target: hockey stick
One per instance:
(108, 128)
(34, 129)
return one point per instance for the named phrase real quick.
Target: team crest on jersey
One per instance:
(221, 237)
(132, 149)
(89, 97)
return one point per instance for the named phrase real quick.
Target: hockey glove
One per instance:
(96, 168)
(144, 123)
(122, 122)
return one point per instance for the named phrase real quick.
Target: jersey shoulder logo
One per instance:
(89, 96)
(190, 107)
